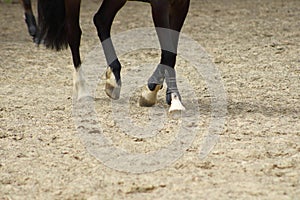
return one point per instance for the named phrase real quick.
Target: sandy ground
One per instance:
(254, 44)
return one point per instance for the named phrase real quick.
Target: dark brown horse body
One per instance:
(58, 27)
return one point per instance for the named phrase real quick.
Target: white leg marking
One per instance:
(79, 83)
(176, 104)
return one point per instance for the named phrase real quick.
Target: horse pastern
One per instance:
(112, 86)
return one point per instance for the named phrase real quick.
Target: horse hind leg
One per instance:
(79, 84)
(103, 20)
(73, 31)
(30, 18)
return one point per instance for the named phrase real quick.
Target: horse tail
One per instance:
(52, 15)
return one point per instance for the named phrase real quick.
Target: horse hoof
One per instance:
(83, 95)
(169, 96)
(112, 91)
(112, 88)
(148, 97)
(176, 104)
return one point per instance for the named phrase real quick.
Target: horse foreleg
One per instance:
(161, 11)
(72, 8)
(177, 15)
(103, 20)
(160, 15)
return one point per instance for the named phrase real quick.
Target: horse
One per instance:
(58, 27)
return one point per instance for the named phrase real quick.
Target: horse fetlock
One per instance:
(157, 77)
(152, 86)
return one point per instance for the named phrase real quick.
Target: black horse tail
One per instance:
(52, 29)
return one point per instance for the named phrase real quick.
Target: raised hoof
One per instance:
(148, 97)
(112, 89)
